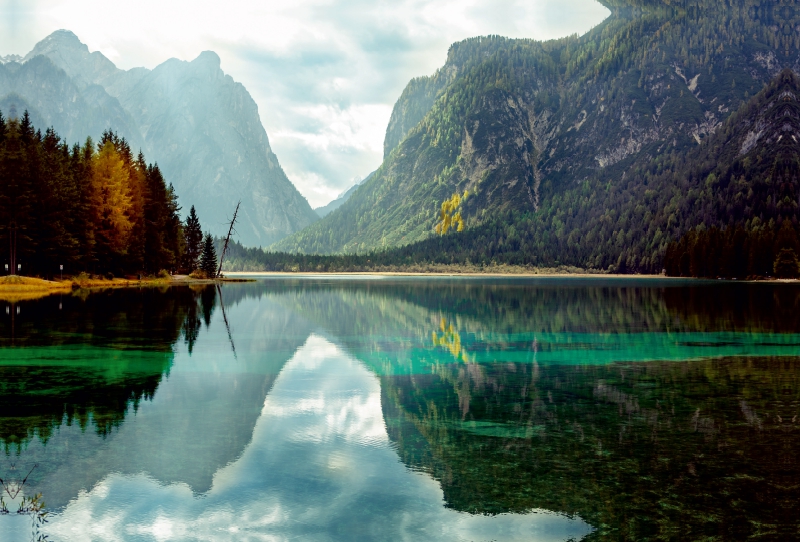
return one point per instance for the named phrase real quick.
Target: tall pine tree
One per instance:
(194, 241)
(208, 260)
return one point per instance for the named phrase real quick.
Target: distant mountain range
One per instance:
(325, 210)
(201, 126)
(558, 144)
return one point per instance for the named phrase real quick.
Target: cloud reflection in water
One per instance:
(319, 467)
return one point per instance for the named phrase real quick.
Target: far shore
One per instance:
(437, 274)
(489, 274)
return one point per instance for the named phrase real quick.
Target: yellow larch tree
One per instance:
(450, 213)
(112, 192)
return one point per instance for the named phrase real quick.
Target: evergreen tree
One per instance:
(173, 234)
(194, 241)
(208, 260)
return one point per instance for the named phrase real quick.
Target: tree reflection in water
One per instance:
(89, 361)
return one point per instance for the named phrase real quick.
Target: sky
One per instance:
(324, 73)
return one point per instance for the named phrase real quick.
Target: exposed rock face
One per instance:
(54, 99)
(413, 104)
(201, 126)
(498, 155)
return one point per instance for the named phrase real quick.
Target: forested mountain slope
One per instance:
(201, 126)
(542, 133)
(746, 174)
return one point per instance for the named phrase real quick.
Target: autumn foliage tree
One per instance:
(112, 206)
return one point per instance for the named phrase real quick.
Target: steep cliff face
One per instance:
(201, 127)
(520, 123)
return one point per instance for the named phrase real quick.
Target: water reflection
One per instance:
(319, 467)
(84, 360)
(676, 450)
(557, 395)
(433, 409)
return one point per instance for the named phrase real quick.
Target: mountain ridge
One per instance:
(196, 122)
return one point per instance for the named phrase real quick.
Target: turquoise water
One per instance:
(344, 408)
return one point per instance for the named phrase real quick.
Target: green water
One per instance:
(322, 408)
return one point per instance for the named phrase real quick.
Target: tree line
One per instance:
(95, 208)
(736, 252)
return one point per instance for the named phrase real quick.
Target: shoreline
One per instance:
(15, 288)
(450, 274)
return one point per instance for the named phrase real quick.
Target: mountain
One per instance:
(743, 178)
(200, 126)
(556, 135)
(325, 210)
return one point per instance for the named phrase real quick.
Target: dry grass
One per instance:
(16, 288)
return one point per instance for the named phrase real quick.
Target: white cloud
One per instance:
(325, 73)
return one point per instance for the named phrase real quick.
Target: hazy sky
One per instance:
(324, 73)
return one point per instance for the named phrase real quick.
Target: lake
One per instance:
(404, 408)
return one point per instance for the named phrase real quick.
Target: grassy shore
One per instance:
(16, 288)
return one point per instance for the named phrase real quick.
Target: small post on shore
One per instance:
(12, 242)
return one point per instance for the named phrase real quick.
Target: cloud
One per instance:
(324, 73)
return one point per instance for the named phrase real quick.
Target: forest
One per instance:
(94, 208)
(534, 126)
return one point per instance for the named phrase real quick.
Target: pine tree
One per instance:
(194, 241)
(208, 260)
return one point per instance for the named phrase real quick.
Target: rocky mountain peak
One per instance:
(209, 59)
(67, 52)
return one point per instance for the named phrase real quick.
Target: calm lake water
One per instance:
(336, 408)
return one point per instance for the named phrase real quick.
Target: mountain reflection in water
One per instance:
(417, 408)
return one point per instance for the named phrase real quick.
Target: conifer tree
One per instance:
(173, 233)
(194, 241)
(208, 260)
